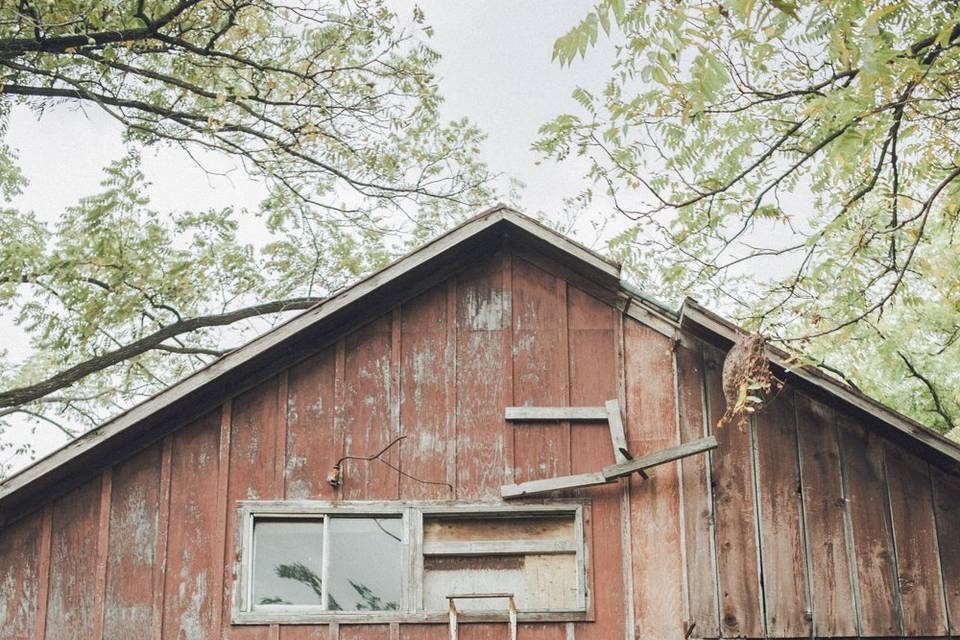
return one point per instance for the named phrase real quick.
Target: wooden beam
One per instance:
(542, 414)
(617, 435)
(498, 547)
(537, 487)
(615, 471)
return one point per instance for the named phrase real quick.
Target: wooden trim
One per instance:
(43, 569)
(159, 577)
(543, 414)
(307, 616)
(103, 541)
(499, 547)
(657, 321)
(660, 457)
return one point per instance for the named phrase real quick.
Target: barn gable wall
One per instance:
(805, 523)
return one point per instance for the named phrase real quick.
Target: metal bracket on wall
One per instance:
(511, 606)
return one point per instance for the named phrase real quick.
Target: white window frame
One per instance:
(411, 515)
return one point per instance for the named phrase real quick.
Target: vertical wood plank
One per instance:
(43, 571)
(366, 413)
(946, 492)
(735, 514)
(654, 503)
(130, 557)
(280, 462)
(865, 491)
(481, 323)
(781, 520)
(253, 454)
(159, 577)
(313, 442)
(541, 450)
(834, 607)
(593, 379)
(915, 534)
(626, 533)
(450, 388)
(424, 396)
(424, 632)
(505, 265)
(304, 632)
(393, 398)
(20, 550)
(103, 539)
(192, 582)
(700, 558)
(218, 550)
(73, 563)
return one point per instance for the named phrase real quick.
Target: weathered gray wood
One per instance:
(538, 487)
(540, 414)
(498, 547)
(617, 434)
(615, 471)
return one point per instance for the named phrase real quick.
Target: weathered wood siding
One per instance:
(804, 524)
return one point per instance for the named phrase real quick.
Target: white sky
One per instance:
(496, 70)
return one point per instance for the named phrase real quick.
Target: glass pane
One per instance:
(365, 563)
(287, 562)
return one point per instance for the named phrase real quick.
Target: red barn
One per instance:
(559, 455)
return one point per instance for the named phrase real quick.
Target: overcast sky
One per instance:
(496, 70)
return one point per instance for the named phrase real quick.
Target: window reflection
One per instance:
(364, 571)
(287, 562)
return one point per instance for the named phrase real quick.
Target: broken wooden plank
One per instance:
(540, 414)
(536, 487)
(617, 435)
(615, 471)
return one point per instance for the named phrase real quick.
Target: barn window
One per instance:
(328, 563)
(304, 562)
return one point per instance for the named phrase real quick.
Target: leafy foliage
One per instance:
(796, 162)
(333, 105)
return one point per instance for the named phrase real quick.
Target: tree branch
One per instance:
(30, 393)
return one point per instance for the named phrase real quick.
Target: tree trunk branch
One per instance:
(33, 392)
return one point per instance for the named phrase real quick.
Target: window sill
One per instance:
(386, 617)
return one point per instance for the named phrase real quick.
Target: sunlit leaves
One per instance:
(797, 164)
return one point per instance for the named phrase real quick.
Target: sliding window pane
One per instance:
(365, 564)
(287, 562)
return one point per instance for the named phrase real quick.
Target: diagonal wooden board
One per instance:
(610, 473)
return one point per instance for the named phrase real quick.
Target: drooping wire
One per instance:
(377, 456)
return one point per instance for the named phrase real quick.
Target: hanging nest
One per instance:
(748, 382)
